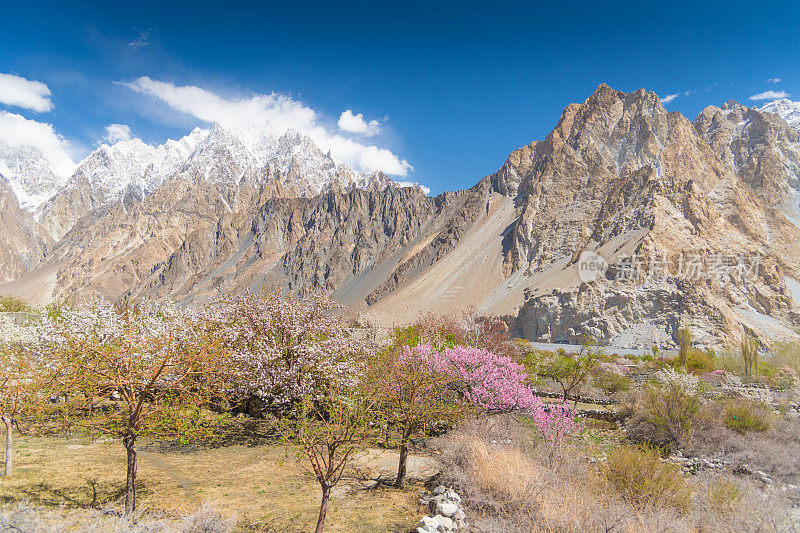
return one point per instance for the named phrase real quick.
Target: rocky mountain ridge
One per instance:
(666, 188)
(619, 178)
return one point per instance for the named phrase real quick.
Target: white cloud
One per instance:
(773, 80)
(17, 130)
(21, 92)
(117, 132)
(769, 95)
(356, 124)
(281, 112)
(142, 40)
(670, 97)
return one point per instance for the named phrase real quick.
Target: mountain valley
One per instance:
(226, 209)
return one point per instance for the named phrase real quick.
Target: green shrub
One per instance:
(700, 361)
(641, 478)
(787, 353)
(765, 369)
(610, 382)
(12, 304)
(730, 362)
(407, 336)
(532, 361)
(675, 363)
(55, 309)
(570, 370)
(604, 357)
(664, 416)
(742, 416)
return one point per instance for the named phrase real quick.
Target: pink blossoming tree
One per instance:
(416, 393)
(556, 423)
(496, 383)
(491, 382)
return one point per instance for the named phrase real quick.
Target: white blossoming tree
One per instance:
(25, 378)
(284, 348)
(136, 371)
(297, 356)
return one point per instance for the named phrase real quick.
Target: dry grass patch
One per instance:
(264, 485)
(504, 473)
(724, 495)
(510, 485)
(641, 478)
(29, 519)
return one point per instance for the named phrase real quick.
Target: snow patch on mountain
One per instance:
(791, 207)
(794, 287)
(786, 109)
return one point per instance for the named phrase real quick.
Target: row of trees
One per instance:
(158, 371)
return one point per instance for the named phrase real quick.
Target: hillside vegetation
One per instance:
(264, 412)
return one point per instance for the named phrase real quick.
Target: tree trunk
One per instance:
(9, 442)
(323, 507)
(401, 468)
(130, 483)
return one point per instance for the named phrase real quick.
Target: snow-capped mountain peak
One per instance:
(111, 169)
(227, 154)
(222, 154)
(786, 109)
(33, 176)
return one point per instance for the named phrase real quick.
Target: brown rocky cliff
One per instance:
(24, 243)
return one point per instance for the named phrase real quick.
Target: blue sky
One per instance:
(453, 87)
